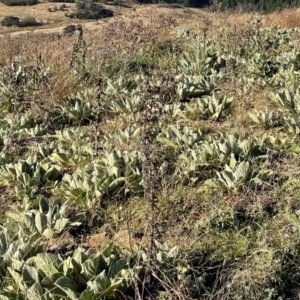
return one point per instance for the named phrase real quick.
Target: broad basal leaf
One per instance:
(35, 292)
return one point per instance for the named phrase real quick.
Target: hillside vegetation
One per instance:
(151, 161)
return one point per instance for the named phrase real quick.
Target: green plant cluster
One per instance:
(225, 127)
(90, 10)
(10, 21)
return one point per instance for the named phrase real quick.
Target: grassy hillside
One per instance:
(39, 11)
(55, 19)
(148, 160)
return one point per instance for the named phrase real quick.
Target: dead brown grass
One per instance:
(221, 19)
(285, 18)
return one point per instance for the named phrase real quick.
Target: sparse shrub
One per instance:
(91, 14)
(69, 30)
(62, 7)
(146, 1)
(52, 9)
(29, 22)
(117, 2)
(90, 10)
(10, 21)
